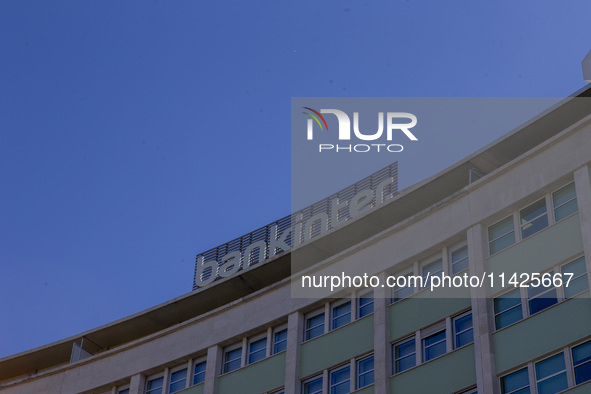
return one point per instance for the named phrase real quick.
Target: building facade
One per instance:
(527, 213)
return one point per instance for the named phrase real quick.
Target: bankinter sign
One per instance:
(301, 228)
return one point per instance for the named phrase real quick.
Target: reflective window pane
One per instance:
(404, 356)
(315, 326)
(551, 375)
(543, 301)
(154, 386)
(463, 330)
(517, 382)
(459, 260)
(565, 202)
(578, 283)
(313, 386)
(280, 341)
(502, 243)
(434, 346)
(582, 362)
(199, 373)
(340, 381)
(257, 350)
(232, 360)
(566, 210)
(366, 305)
(178, 380)
(508, 309)
(341, 315)
(365, 372)
(501, 228)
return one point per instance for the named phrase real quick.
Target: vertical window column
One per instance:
(190, 366)
(212, 369)
(137, 384)
(244, 352)
(166, 379)
(583, 192)
(270, 341)
(295, 326)
(353, 376)
(479, 240)
(382, 367)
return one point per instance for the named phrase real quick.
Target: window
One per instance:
(470, 391)
(365, 372)
(154, 386)
(533, 218)
(540, 294)
(257, 350)
(551, 375)
(232, 359)
(463, 333)
(405, 355)
(365, 304)
(400, 293)
(123, 391)
(313, 386)
(541, 297)
(578, 282)
(515, 383)
(279, 340)
(565, 202)
(432, 269)
(199, 372)
(459, 260)
(340, 381)
(508, 309)
(314, 326)
(501, 235)
(341, 315)
(582, 362)
(178, 380)
(434, 346)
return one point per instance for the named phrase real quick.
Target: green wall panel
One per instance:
(582, 389)
(426, 308)
(540, 251)
(193, 390)
(337, 346)
(542, 333)
(367, 390)
(446, 374)
(255, 378)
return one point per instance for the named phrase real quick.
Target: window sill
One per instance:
(362, 388)
(432, 360)
(248, 365)
(517, 242)
(577, 296)
(336, 329)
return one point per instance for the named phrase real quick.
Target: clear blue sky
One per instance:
(129, 131)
